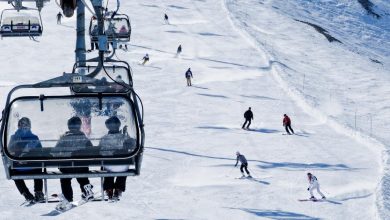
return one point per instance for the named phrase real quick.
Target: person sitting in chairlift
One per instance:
(115, 142)
(68, 145)
(21, 142)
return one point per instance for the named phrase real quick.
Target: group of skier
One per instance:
(248, 115)
(74, 139)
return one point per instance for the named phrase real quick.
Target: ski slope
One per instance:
(192, 133)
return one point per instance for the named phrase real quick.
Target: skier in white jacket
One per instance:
(314, 185)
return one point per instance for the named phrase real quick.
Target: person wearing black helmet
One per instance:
(166, 19)
(248, 115)
(244, 164)
(21, 142)
(115, 142)
(68, 145)
(314, 185)
(189, 76)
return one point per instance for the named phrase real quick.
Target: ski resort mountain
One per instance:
(273, 56)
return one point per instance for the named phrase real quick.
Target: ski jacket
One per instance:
(21, 142)
(188, 74)
(71, 142)
(248, 115)
(313, 182)
(286, 120)
(112, 143)
(241, 158)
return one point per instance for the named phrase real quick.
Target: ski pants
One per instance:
(247, 121)
(94, 45)
(189, 81)
(58, 20)
(21, 185)
(316, 186)
(66, 183)
(288, 127)
(119, 183)
(244, 166)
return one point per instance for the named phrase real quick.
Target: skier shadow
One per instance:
(265, 130)
(259, 97)
(52, 213)
(276, 214)
(214, 96)
(259, 181)
(304, 166)
(213, 127)
(200, 87)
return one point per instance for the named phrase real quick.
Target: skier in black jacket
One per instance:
(189, 76)
(248, 115)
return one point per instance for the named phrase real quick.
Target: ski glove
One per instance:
(308, 189)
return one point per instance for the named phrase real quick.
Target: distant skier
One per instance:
(145, 59)
(188, 77)
(59, 16)
(248, 115)
(22, 141)
(244, 164)
(314, 185)
(178, 52)
(287, 124)
(166, 19)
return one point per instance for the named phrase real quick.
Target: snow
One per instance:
(243, 53)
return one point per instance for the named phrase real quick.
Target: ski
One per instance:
(311, 200)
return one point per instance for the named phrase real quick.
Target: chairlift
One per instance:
(48, 110)
(20, 24)
(117, 28)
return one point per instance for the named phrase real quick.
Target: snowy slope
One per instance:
(193, 133)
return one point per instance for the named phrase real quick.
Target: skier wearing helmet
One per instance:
(244, 164)
(314, 185)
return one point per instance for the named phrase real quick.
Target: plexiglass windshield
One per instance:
(70, 127)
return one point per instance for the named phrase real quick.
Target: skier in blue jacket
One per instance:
(21, 142)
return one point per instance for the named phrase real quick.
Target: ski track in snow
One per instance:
(192, 134)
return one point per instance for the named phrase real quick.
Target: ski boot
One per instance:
(117, 194)
(64, 204)
(110, 193)
(39, 196)
(313, 198)
(323, 197)
(29, 198)
(88, 193)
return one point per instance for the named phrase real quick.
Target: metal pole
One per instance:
(46, 195)
(80, 41)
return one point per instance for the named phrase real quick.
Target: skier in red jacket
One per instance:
(287, 124)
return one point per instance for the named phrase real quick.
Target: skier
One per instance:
(244, 164)
(189, 76)
(248, 115)
(166, 19)
(178, 52)
(145, 59)
(71, 141)
(23, 140)
(113, 142)
(59, 16)
(94, 32)
(287, 124)
(314, 185)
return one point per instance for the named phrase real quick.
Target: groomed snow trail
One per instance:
(194, 132)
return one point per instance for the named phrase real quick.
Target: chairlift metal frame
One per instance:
(115, 36)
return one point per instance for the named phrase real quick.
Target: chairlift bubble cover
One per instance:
(52, 138)
(121, 81)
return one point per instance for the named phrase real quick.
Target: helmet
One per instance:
(74, 123)
(24, 123)
(309, 174)
(238, 153)
(113, 123)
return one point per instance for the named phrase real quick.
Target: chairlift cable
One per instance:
(89, 9)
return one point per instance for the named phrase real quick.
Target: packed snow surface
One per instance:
(242, 53)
